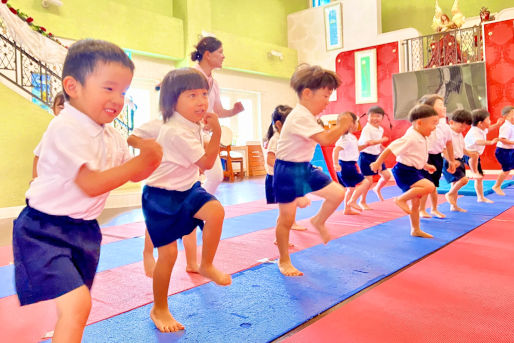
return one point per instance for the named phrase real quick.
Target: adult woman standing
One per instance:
(209, 54)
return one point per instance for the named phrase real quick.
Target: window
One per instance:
(246, 125)
(317, 3)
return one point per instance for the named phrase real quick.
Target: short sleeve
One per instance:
(399, 145)
(306, 126)
(186, 146)
(149, 130)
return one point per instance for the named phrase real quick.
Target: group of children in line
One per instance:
(56, 238)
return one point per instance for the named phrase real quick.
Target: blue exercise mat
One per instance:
(262, 305)
(128, 251)
(469, 188)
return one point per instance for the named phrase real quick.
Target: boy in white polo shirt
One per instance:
(411, 152)
(505, 148)
(294, 175)
(476, 141)
(56, 238)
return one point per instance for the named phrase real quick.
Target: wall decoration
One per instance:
(333, 26)
(366, 76)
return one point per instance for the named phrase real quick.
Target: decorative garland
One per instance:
(30, 22)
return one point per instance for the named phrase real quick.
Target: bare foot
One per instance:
(484, 199)
(455, 208)
(149, 263)
(378, 193)
(164, 321)
(215, 275)
(192, 268)
(420, 233)
(349, 211)
(303, 202)
(403, 205)
(437, 214)
(323, 232)
(424, 214)
(452, 200)
(297, 227)
(498, 190)
(364, 206)
(288, 269)
(354, 206)
(291, 245)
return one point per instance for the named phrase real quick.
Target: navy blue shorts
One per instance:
(460, 171)
(270, 192)
(349, 176)
(406, 176)
(365, 160)
(505, 157)
(292, 180)
(53, 255)
(437, 161)
(466, 160)
(169, 215)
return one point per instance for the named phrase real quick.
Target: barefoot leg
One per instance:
(148, 258)
(334, 195)
(72, 312)
(190, 247)
(414, 221)
(287, 213)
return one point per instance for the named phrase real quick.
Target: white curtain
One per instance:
(41, 47)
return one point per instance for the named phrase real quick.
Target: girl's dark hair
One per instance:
(462, 116)
(430, 99)
(506, 110)
(175, 83)
(58, 99)
(377, 110)
(314, 78)
(421, 111)
(83, 56)
(210, 44)
(479, 115)
(279, 114)
(354, 117)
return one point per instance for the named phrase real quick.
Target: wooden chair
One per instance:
(230, 157)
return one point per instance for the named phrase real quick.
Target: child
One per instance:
(411, 152)
(173, 202)
(370, 146)
(150, 130)
(57, 107)
(277, 121)
(344, 157)
(56, 239)
(294, 175)
(476, 140)
(460, 120)
(505, 148)
(439, 143)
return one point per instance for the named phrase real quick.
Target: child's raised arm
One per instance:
(335, 158)
(499, 122)
(95, 183)
(213, 148)
(331, 136)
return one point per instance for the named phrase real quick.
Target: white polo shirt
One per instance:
(182, 146)
(411, 149)
(475, 134)
(458, 144)
(272, 147)
(507, 132)
(439, 137)
(370, 132)
(295, 143)
(350, 148)
(149, 130)
(71, 140)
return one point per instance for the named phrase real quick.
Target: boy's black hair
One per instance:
(421, 111)
(479, 115)
(462, 116)
(314, 78)
(209, 43)
(377, 110)
(430, 99)
(506, 110)
(279, 114)
(175, 83)
(83, 56)
(354, 117)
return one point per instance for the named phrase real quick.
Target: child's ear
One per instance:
(306, 93)
(70, 86)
